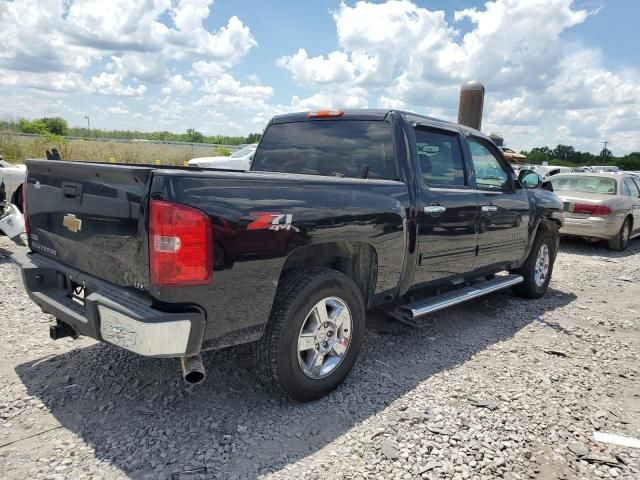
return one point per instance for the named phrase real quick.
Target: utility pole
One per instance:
(606, 154)
(88, 125)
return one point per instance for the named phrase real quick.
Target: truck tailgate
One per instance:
(90, 216)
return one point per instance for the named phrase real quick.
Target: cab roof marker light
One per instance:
(325, 113)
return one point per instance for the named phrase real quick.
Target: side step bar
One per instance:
(412, 311)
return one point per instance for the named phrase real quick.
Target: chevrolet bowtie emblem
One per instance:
(72, 223)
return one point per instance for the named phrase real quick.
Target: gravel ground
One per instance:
(497, 388)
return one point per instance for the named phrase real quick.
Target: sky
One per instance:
(555, 71)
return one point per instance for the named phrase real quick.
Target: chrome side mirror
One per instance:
(529, 179)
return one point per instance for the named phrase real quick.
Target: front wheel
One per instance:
(538, 267)
(314, 334)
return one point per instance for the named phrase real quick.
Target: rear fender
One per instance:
(357, 260)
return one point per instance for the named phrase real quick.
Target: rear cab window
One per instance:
(338, 148)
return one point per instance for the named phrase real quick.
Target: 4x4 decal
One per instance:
(272, 221)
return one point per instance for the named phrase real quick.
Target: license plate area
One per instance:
(77, 292)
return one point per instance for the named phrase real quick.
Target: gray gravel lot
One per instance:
(497, 388)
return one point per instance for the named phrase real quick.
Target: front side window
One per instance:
(440, 158)
(490, 173)
(339, 148)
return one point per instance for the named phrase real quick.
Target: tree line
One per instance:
(568, 156)
(59, 126)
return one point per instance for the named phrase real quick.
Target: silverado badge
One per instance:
(72, 223)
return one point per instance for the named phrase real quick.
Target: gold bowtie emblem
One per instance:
(72, 223)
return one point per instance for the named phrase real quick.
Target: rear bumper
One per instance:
(593, 227)
(110, 313)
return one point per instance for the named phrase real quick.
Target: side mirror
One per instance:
(529, 179)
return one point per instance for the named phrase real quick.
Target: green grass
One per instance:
(17, 149)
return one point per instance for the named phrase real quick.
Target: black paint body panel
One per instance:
(264, 223)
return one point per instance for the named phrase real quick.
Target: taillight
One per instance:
(180, 244)
(325, 113)
(592, 209)
(24, 211)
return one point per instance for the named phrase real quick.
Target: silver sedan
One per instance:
(600, 206)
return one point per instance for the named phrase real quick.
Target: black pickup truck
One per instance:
(342, 211)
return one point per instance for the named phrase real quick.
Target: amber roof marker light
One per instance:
(325, 113)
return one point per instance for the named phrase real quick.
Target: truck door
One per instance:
(448, 207)
(504, 209)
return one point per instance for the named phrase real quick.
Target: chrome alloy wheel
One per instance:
(324, 338)
(543, 261)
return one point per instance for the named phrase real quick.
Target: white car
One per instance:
(546, 171)
(238, 160)
(11, 179)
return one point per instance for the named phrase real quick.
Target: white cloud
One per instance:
(177, 85)
(226, 91)
(203, 68)
(143, 67)
(177, 71)
(32, 40)
(59, 82)
(134, 37)
(406, 56)
(119, 109)
(111, 84)
(335, 68)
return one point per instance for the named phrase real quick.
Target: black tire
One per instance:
(621, 240)
(277, 350)
(529, 288)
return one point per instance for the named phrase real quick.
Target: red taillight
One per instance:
(592, 209)
(180, 244)
(24, 211)
(325, 113)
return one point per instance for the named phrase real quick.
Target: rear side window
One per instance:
(630, 188)
(440, 158)
(339, 148)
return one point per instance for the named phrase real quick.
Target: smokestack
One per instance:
(471, 103)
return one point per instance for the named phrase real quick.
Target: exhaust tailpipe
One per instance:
(193, 369)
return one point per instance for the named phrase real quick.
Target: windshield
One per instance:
(244, 151)
(584, 184)
(339, 148)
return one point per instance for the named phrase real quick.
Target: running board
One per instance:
(412, 311)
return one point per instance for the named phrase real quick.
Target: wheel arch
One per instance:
(16, 199)
(356, 260)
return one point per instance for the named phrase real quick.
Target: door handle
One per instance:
(434, 209)
(489, 208)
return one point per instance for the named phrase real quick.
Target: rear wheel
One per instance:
(538, 267)
(621, 240)
(314, 334)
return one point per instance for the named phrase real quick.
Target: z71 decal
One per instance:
(275, 221)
